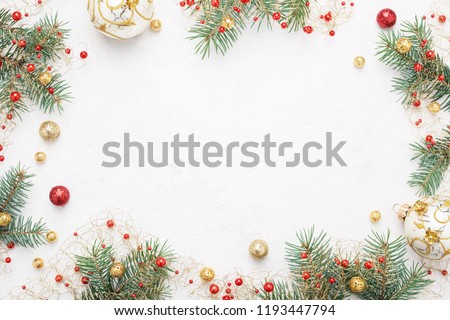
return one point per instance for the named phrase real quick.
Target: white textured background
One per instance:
(294, 86)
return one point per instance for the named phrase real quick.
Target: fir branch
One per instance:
(24, 232)
(14, 186)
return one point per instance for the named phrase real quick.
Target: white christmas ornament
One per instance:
(427, 227)
(121, 19)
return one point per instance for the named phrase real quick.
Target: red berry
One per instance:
(429, 138)
(215, 3)
(418, 67)
(67, 284)
(352, 4)
(308, 29)
(441, 77)
(59, 33)
(337, 261)
(381, 259)
(343, 3)
(304, 255)
(161, 262)
(177, 272)
(68, 51)
(58, 278)
(2, 158)
(76, 269)
(141, 285)
(318, 285)
(182, 4)
(368, 265)
(83, 54)
(429, 272)
(9, 116)
(276, 16)
(30, 67)
(431, 55)
(416, 103)
(22, 43)
(268, 287)
(255, 19)
(328, 17)
(38, 56)
(245, 1)
(319, 275)
(16, 16)
(345, 263)
(24, 287)
(110, 223)
(1, 147)
(38, 29)
(332, 33)
(133, 295)
(284, 25)
(256, 291)
(75, 234)
(433, 15)
(190, 2)
(103, 246)
(222, 29)
(226, 298)
(197, 8)
(202, 21)
(191, 281)
(149, 248)
(237, 9)
(442, 19)
(229, 284)
(126, 236)
(307, 3)
(306, 275)
(332, 280)
(14, 96)
(51, 90)
(8, 260)
(38, 47)
(228, 290)
(444, 272)
(238, 282)
(84, 280)
(214, 289)
(10, 245)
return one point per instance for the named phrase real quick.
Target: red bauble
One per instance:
(318, 285)
(110, 223)
(58, 278)
(268, 287)
(16, 16)
(215, 3)
(308, 29)
(386, 18)
(83, 54)
(59, 196)
(431, 55)
(332, 33)
(9, 116)
(328, 17)
(238, 282)
(161, 262)
(226, 298)
(276, 16)
(84, 280)
(345, 263)
(306, 275)
(442, 19)
(8, 260)
(368, 265)
(126, 236)
(30, 67)
(429, 138)
(441, 77)
(14, 96)
(284, 25)
(182, 4)
(214, 289)
(2, 158)
(418, 67)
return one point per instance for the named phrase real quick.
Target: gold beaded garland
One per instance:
(258, 249)
(434, 107)
(49, 131)
(45, 78)
(156, 25)
(375, 216)
(359, 62)
(227, 22)
(117, 270)
(357, 285)
(207, 274)
(403, 45)
(40, 157)
(5, 219)
(51, 236)
(38, 263)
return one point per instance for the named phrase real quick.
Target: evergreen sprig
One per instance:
(14, 187)
(434, 161)
(381, 264)
(44, 45)
(206, 30)
(432, 82)
(142, 279)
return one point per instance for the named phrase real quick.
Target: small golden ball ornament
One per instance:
(51, 236)
(207, 274)
(258, 249)
(49, 131)
(359, 62)
(45, 78)
(40, 157)
(156, 25)
(434, 107)
(227, 22)
(117, 270)
(38, 263)
(357, 284)
(403, 45)
(5, 219)
(375, 216)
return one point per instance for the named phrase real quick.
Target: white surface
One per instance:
(294, 86)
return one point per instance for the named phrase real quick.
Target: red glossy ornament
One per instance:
(1, 147)
(441, 77)
(2, 158)
(237, 9)
(83, 54)
(161, 262)
(14, 96)
(141, 285)
(276, 16)
(16, 16)
(59, 196)
(222, 29)
(332, 33)
(284, 25)
(386, 18)
(214, 289)
(58, 278)
(306, 275)
(429, 272)
(84, 280)
(368, 265)
(110, 223)
(429, 138)
(126, 236)
(51, 90)
(418, 67)
(238, 282)
(9, 116)
(431, 55)
(10, 245)
(268, 287)
(191, 281)
(8, 260)
(182, 4)
(328, 17)
(177, 272)
(255, 19)
(442, 19)
(67, 51)
(24, 287)
(30, 67)
(215, 3)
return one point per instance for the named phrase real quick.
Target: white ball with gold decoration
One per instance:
(427, 227)
(121, 19)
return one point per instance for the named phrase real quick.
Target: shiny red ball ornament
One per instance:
(14, 96)
(386, 18)
(22, 43)
(215, 3)
(84, 280)
(2, 158)
(58, 278)
(441, 77)
(214, 289)
(238, 282)
(328, 17)
(306, 275)
(30, 67)
(345, 263)
(83, 54)
(182, 4)
(442, 19)
(268, 287)
(276, 16)
(59, 196)
(368, 265)
(110, 223)
(8, 260)
(161, 262)
(332, 33)
(418, 67)
(284, 25)
(67, 51)
(16, 16)
(431, 55)
(10, 245)
(332, 280)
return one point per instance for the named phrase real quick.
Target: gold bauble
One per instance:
(49, 131)
(156, 25)
(434, 107)
(403, 45)
(258, 249)
(38, 263)
(207, 274)
(227, 22)
(5, 219)
(359, 62)
(357, 284)
(40, 157)
(375, 216)
(45, 78)
(51, 236)
(117, 270)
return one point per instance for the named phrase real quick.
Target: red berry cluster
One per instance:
(430, 141)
